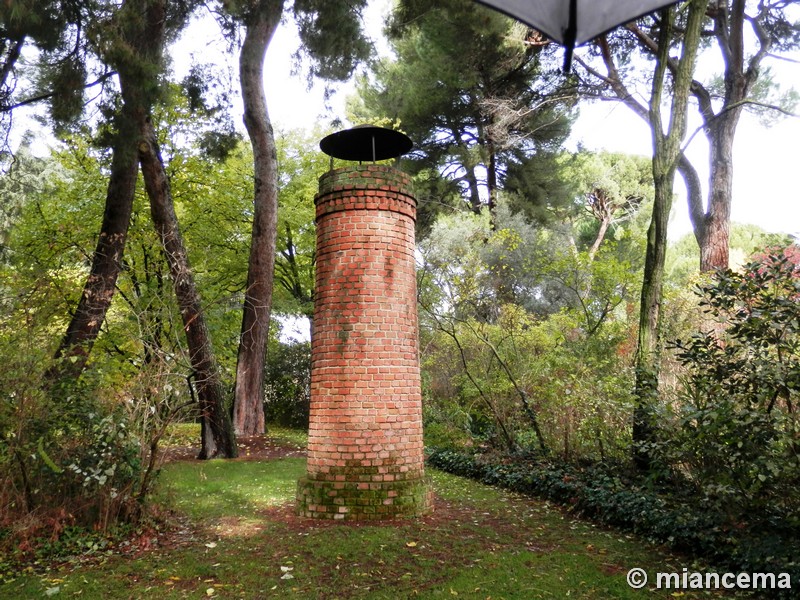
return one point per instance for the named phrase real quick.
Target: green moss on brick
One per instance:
(389, 500)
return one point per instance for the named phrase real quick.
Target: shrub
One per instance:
(516, 384)
(738, 431)
(75, 455)
(288, 384)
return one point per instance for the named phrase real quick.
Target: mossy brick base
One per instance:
(362, 501)
(365, 453)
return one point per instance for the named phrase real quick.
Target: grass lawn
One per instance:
(236, 536)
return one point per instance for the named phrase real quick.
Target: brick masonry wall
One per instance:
(365, 451)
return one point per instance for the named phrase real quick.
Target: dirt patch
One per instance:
(257, 447)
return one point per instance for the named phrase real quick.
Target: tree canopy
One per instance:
(473, 90)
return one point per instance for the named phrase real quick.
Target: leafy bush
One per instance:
(738, 430)
(70, 451)
(288, 384)
(76, 454)
(515, 383)
(446, 425)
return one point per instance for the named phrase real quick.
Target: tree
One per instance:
(47, 25)
(745, 239)
(746, 35)
(58, 29)
(132, 50)
(331, 36)
(132, 40)
(614, 186)
(666, 154)
(474, 91)
(217, 438)
(143, 332)
(25, 177)
(260, 20)
(503, 367)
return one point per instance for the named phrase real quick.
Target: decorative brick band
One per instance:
(365, 452)
(368, 187)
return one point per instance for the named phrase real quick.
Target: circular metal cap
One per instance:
(365, 143)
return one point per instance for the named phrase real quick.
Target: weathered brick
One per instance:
(365, 389)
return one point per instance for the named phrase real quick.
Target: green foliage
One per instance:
(27, 177)
(683, 258)
(68, 455)
(738, 426)
(68, 76)
(500, 375)
(505, 311)
(288, 384)
(472, 94)
(331, 36)
(90, 451)
(109, 464)
(299, 168)
(600, 185)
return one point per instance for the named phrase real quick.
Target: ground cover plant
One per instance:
(233, 534)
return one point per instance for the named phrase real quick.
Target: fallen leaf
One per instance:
(52, 591)
(210, 592)
(287, 576)
(211, 545)
(411, 544)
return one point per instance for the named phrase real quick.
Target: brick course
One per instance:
(365, 452)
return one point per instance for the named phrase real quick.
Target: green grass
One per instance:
(220, 488)
(285, 436)
(239, 538)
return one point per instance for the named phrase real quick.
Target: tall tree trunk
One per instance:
(714, 249)
(144, 35)
(714, 228)
(740, 75)
(648, 356)
(248, 407)
(666, 154)
(217, 439)
(98, 291)
(711, 220)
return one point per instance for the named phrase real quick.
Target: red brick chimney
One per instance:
(365, 452)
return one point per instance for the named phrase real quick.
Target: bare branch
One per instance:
(784, 58)
(33, 100)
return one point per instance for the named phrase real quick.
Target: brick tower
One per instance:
(365, 453)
